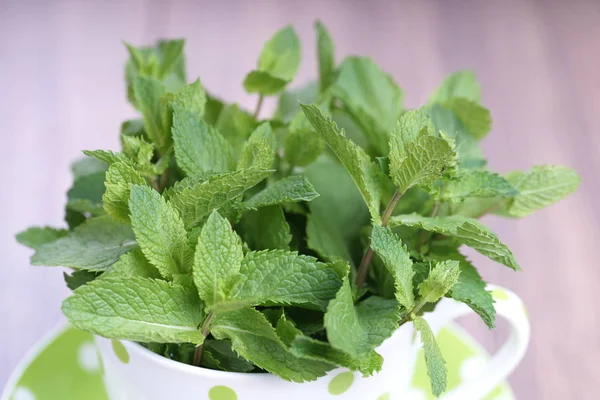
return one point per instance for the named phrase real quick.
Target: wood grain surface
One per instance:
(61, 91)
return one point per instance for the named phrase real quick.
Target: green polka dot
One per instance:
(341, 383)
(385, 396)
(120, 351)
(221, 393)
(500, 294)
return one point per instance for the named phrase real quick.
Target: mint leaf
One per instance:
(217, 260)
(119, 179)
(87, 166)
(364, 172)
(289, 102)
(325, 55)
(459, 84)
(149, 97)
(542, 186)
(132, 264)
(277, 64)
(476, 119)
(35, 236)
(85, 196)
(476, 183)
(470, 289)
(280, 277)
(255, 339)
(439, 281)
(160, 232)
(199, 148)
(436, 366)
(397, 261)
(266, 228)
(372, 98)
(79, 278)
(94, 245)
(191, 98)
(196, 201)
(222, 357)
(235, 125)
(357, 330)
(139, 309)
(302, 145)
(259, 150)
(291, 189)
(106, 156)
(466, 230)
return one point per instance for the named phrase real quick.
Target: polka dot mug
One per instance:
(135, 373)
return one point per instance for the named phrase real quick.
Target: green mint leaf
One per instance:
(266, 228)
(191, 98)
(79, 278)
(439, 281)
(397, 261)
(196, 201)
(133, 128)
(476, 183)
(372, 98)
(459, 84)
(85, 196)
(289, 102)
(139, 152)
(94, 245)
(138, 309)
(466, 230)
(132, 264)
(302, 145)
(291, 189)
(259, 150)
(235, 125)
(149, 95)
(35, 236)
(277, 64)
(542, 186)
(199, 148)
(218, 354)
(217, 259)
(119, 179)
(87, 166)
(279, 277)
(326, 57)
(357, 330)
(160, 232)
(476, 119)
(362, 169)
(106, 156)
(436, 366)
(255, 339)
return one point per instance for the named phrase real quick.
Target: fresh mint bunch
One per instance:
(291, 245)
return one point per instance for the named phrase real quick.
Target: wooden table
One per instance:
(61, 90)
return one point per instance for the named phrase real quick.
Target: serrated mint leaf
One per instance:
(466, 230)
(87, 166)
(85, 196)
(476, 119)
(266, 228)
(280, 277)
(459, 84)
(362, 169)
(106, 156)
(291, 189)
(357, 330)
(159, 231)
(325, 55)
(132, 264)
(470, 289)
(79, 278)
(542, 186)
(138, 151)
(198, 199)
(302, 145)
(149, 97)
(133, 127)
(476, 183)
(277, 64)
(36, 236)
(191, 98)
(139, 309)
(289, 102)
(436, 366)
(235, 125)
(119, 179)
(259, 150)
(94, 245)
(217, 259)
(199, 148)
(397, 261)
(255, 339)
(440, 280)
(218, 354)
(372, 98)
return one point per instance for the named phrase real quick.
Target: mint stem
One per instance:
(205, 330)
(258, 106)
(425, 235)
(363, 269)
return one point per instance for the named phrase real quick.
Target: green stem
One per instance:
(414, 311)
(363, 269)
(258, 106)
(205, 330)
(425, 235)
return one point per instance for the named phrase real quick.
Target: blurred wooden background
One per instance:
(61, 91)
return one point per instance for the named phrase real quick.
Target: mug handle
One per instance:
(509, 306)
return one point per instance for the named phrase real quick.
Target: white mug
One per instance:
(131, 372)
